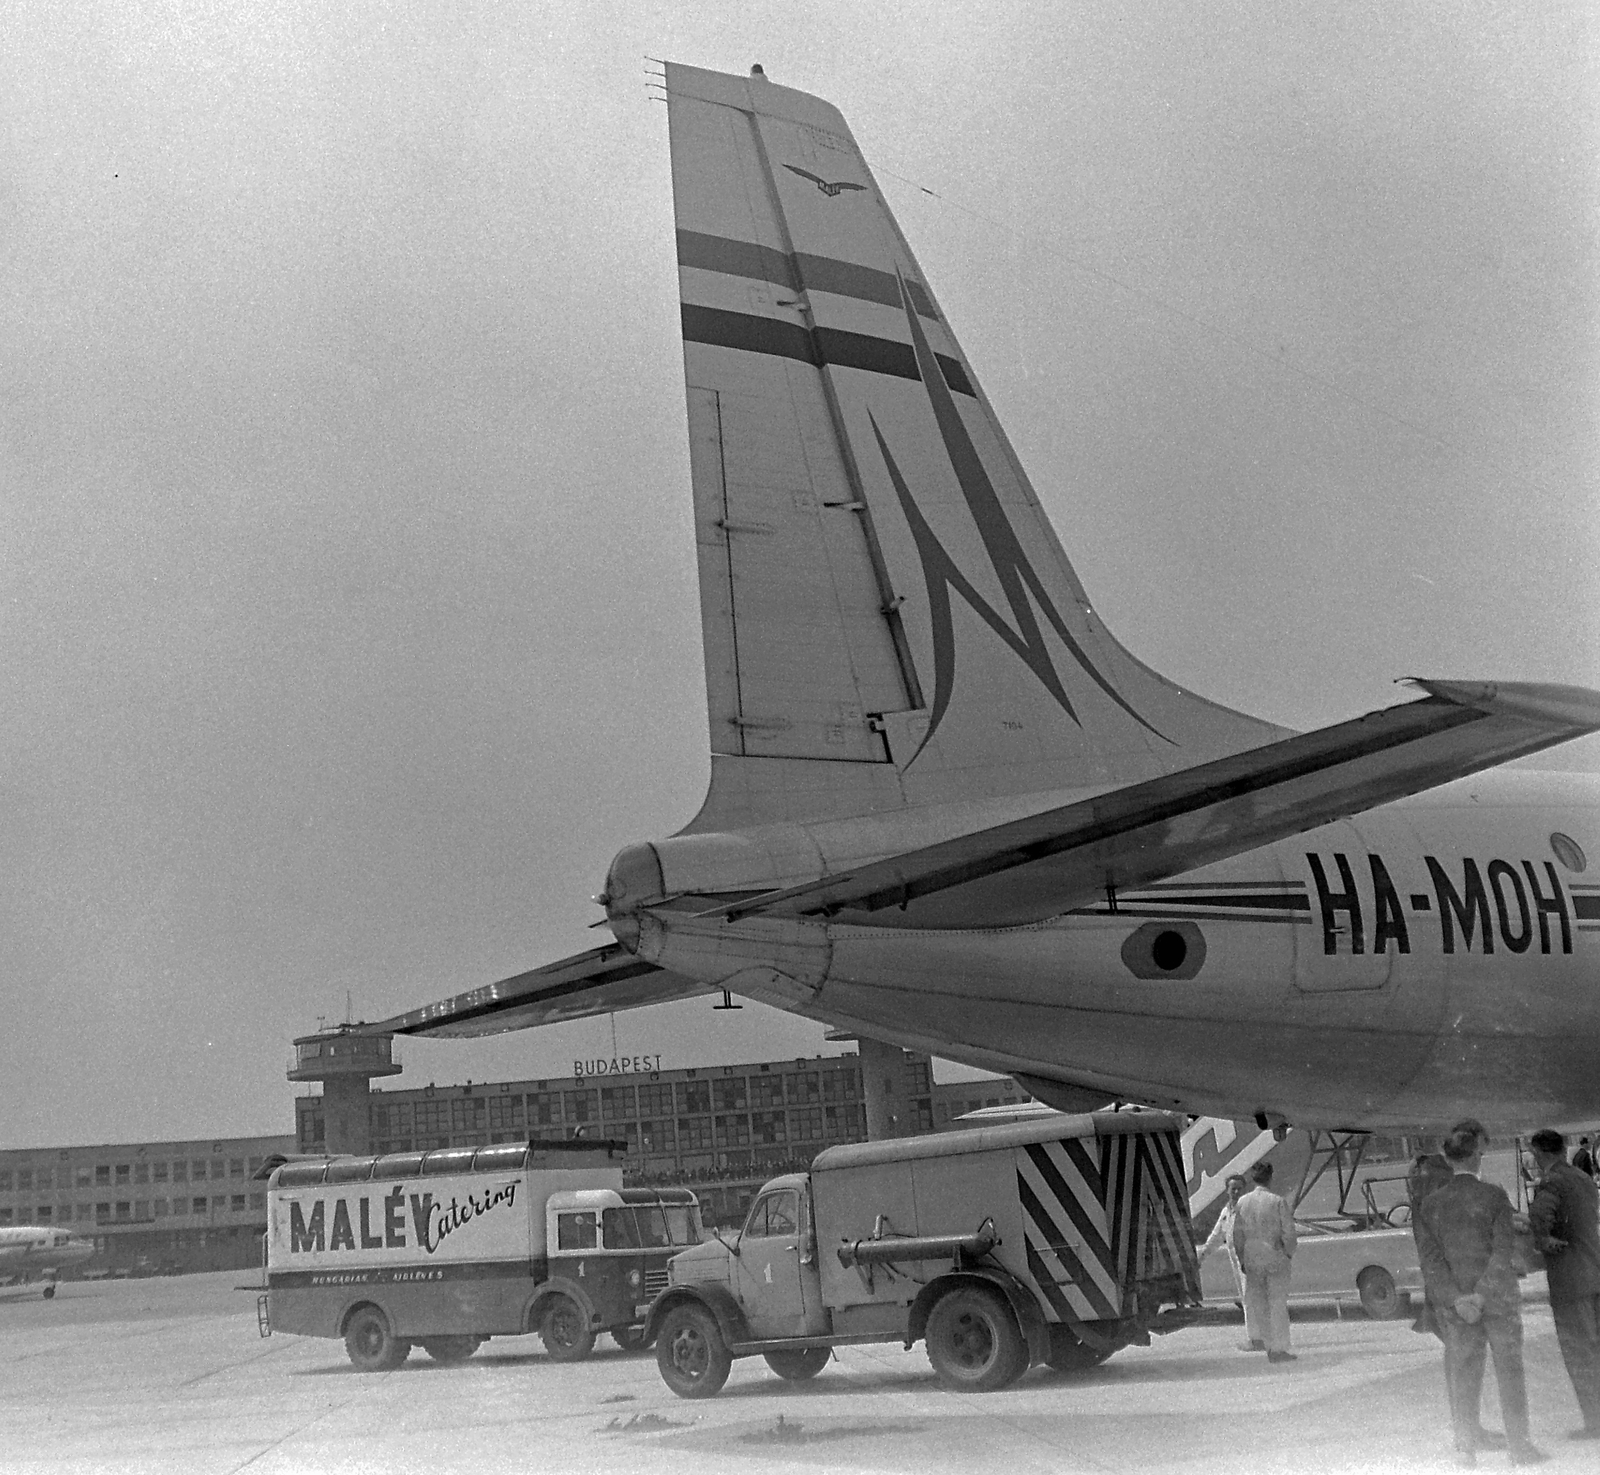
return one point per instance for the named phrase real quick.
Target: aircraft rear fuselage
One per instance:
(1426, 958)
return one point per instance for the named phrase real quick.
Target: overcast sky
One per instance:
(350, 623)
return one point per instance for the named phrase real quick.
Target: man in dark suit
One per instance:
(1465, 1247)
(1428, 1172)
(1565, 1218)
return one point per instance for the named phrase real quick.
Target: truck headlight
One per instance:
(635, 1280)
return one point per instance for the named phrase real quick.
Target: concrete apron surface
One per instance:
(171, 1376)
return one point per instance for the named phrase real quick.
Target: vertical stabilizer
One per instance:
(889, 619)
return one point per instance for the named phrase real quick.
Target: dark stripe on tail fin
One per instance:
(814, 346)
(798, 272)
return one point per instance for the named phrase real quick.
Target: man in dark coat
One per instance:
(1428, 1172)
(1465, 1248)
(1583, 1158)
(1565, 1218)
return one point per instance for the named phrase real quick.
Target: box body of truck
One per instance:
(1068, 1236)
(449, 1248)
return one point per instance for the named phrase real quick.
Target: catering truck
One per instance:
(450, 1248)
(1057, 1240)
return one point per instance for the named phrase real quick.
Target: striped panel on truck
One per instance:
(1102, 1215)
(1069, 1244)
(1147, 1201)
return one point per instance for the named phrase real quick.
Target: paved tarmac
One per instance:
(171, 1376)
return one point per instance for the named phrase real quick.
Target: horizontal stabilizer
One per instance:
(1039, 867)
(596, 982)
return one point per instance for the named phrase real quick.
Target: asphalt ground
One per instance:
(172, 1376)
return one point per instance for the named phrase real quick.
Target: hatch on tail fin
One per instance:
(888, 617)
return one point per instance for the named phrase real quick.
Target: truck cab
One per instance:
(770, 1268)
(608, 1252)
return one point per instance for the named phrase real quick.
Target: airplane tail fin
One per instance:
(888, 617)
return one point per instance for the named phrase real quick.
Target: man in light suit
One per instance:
(1565, 1218)
(1465, 1247)
(1264, 1240)
(1221, 1238)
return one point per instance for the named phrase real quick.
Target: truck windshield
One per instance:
(622, 1230)
(774, 1214)
(683, 1224)
(651, 1227)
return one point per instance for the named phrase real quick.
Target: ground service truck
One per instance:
(450, 1248)
(1055, 1240)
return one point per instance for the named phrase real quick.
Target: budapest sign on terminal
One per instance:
(618, 1065)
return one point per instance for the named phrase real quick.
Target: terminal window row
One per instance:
(612, 1103)
(429, 1119)
(133, 1210)
(658, 1135)
(115, 1175)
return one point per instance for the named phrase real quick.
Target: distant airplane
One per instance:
(949, 811)
(31, 1252)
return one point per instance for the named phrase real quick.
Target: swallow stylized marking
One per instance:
(827, 188)
(1023, 587)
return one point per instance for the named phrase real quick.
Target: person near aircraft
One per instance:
(1583, 1158)
(1221, 1237)
(1464, 1242)
(1565, 1218)
(1264, 1240)
(1429, 1172)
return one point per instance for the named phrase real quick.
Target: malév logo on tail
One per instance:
(830, 188)
(1018, 578)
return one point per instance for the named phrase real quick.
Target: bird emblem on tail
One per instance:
(829, 188)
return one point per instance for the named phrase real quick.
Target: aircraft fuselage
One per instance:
(1430, 958)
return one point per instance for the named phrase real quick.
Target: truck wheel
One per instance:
(629, 1338)
(451, 1349)
(49, 1293)
(565, 1330)
(1069, 1355)
(1379, 1298)
(373, 1348)
(798, 1364)
(974, 1342)
(691, 1354)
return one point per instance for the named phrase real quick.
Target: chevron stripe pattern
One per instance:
(1100, 1217)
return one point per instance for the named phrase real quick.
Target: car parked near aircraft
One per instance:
(1376, 1267)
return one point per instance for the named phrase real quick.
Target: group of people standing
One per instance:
(1466, 1232)
(1257, 1230)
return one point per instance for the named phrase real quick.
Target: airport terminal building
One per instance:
(173, 1206)
(151, 1207)
(721, 1130)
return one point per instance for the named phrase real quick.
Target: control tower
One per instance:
(344, 1059)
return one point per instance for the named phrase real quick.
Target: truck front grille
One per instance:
(655, 1281)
